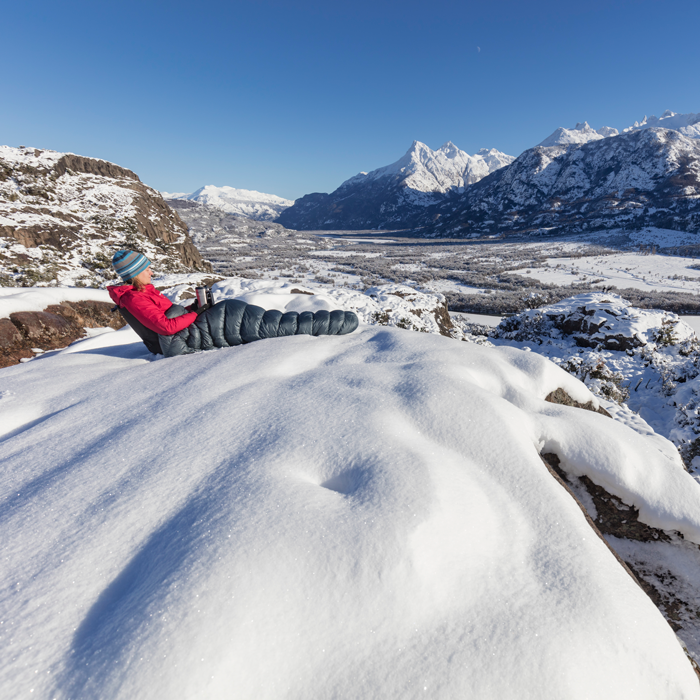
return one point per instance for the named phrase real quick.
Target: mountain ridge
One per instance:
(647, 177)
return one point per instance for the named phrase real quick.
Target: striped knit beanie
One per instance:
(129, 263)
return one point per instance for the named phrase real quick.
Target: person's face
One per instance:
(145, 276)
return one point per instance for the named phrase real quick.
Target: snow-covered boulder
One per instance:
(595, 320)
(363, 516)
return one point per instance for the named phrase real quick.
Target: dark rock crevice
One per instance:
(614, 520)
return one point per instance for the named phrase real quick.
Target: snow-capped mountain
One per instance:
(62, 216)
(687, 124)
(581, 133)
(254, 205)
(395, 195)
(644, 177)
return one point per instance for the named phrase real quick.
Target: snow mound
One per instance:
(362, 516)
(14, 299)
(249, 203)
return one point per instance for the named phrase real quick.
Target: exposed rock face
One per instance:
(640, 178)
(55, 327)
(661, 562)
(63, 216)
(561, 397)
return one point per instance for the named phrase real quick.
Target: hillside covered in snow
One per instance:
(393, 196)
(63, 216)
(384, 514)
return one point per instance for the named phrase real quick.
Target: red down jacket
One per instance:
(149, 307)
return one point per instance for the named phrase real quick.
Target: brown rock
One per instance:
(9, 335)
(561, 397)
(92, 166)
(88, 314)
(53, 328)
(37, 324)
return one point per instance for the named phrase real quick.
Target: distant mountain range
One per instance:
(643, 177)
(249, 203)
(577, 179)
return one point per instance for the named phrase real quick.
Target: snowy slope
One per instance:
(254, 205)
(364, 516)
(392, 196)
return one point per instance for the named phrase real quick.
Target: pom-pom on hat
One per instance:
(129, 263)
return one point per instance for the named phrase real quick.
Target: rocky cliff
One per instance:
(62, 216)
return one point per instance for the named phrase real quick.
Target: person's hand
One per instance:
(202, 308)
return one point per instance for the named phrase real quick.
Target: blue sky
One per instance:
(295, 97)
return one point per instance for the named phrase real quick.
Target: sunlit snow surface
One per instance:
(349, 517)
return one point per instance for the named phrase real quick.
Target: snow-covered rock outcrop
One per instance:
(250, 203)
(62, 217)
(393, 196)
(364, 516)
(645, 366)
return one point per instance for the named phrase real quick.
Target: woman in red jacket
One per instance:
(141, 299)
(229, 322)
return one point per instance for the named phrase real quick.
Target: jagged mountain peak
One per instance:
(581, 133)
(686, 124)
(648, 177)
(393, 196)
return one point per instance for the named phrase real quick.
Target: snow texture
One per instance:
(362, 516)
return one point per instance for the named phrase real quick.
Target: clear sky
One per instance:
(295, 97)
